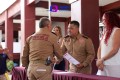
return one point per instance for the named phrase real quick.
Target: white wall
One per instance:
(61, 24)
(36, 25)
(16, 46)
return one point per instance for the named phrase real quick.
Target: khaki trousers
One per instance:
(39, 71)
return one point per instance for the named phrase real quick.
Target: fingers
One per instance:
(80, 65)
(101, 67)
(99, 62)
(53, 60)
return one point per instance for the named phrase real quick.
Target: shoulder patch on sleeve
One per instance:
(53, 33)
(66, 36)
(29, 38)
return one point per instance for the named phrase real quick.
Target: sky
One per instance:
(4, 4)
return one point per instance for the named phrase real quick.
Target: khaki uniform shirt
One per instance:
(82, 49)
(39, 46)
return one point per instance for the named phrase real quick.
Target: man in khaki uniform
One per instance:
(80, 47)
(38, 48)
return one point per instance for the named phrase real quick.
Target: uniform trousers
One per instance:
(37, 70)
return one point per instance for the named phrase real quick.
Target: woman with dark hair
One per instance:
(108, 55)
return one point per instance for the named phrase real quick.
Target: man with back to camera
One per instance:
(37, 49)
(79, 47)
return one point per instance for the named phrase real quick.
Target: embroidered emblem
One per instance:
(41, 37)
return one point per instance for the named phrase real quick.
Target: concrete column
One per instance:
(27, 21)
(9, 33)
(37, 26)
(87, 13)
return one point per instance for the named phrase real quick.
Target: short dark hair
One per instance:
(75, 23)
(44, 21)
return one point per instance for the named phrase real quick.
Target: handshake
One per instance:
(50, 61)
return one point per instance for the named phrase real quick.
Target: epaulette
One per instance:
(53, 33)
(85, 36)
(66, 36)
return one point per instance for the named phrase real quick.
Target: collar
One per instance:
(78, 36)
(45, 30)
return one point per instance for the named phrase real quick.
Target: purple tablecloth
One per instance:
(59, 75)
(19, 73)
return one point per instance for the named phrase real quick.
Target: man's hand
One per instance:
(80, 65)
(53, 60)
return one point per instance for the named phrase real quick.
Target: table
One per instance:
(19, 73)
(60, 75)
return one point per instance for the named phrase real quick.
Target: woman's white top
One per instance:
(105, 49)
